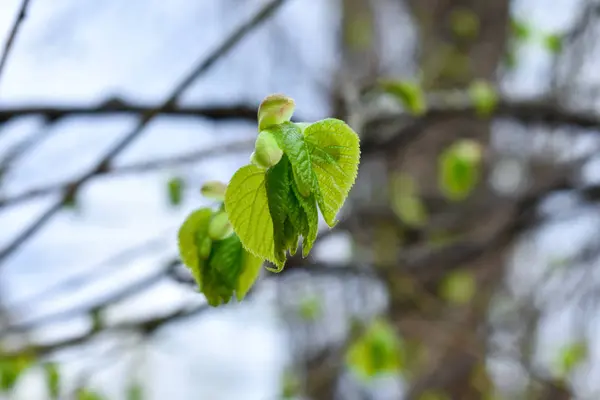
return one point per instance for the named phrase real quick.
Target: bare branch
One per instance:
(147, 326)
(105, 161)
(116, 106)
(83, 308)
(139, 167)
(13, 34)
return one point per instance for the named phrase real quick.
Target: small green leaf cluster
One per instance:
(215, 256)
(571, 356)
(296, 170)
(377, 351)
(460, 168)
(270, 204)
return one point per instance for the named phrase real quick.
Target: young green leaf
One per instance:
(459, 287)
(52, 380)
(11, 370)
(572, 356)
(459, 169)
(278, 188)
(192, 243)
(409, 94)
(310, 308)
(86, 394)
(334, 155)
(377, 351)
(219, 279)
(250, 270)
(464, 22)
(175, 191)
(274, 110)
(290, 139)
(135, 392)
(406, 202)
(520, 30)
(554, 43)
(484, 96)
(310, 220)
(247, 205)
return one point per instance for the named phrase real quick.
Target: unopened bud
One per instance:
(266, 151)
(275, 109)
(214, 190)
(219, 227)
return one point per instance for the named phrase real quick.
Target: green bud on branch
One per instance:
(219, 227)
(266, 151)
(214, 190)
(275, 109)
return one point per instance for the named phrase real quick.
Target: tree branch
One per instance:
(139, 167)
(13, 34)
(105, 161)
(117, 106)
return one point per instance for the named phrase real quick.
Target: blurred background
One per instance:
(465, 262)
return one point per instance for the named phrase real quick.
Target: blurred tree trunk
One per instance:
(460, 41)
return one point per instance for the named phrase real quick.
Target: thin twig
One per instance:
(203, 66)
(138, 167)
(147, 326)
(83, 308)
(116, 106)
(13, 34)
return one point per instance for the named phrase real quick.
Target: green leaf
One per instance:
(175, 190)
(409, 94)
(520, 30)
(310, 222)
(484, 96)
(291, 385)
(554, 43)
(274, 110)
(247, 205)
(135, 392)
(406, 202)
(464, 22)
(572, 356)
(52, 380)
(86, 394)
(214, 190)
(250, 271)
(459, 169)
(11, 370)
(290, 139)
(459, 287)
(297, 218)
(335, 155)
(266, 150)
(219, 279)
(378, 351)
(278, 188)
(192, 241)
(292, 236)
(310, 308)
